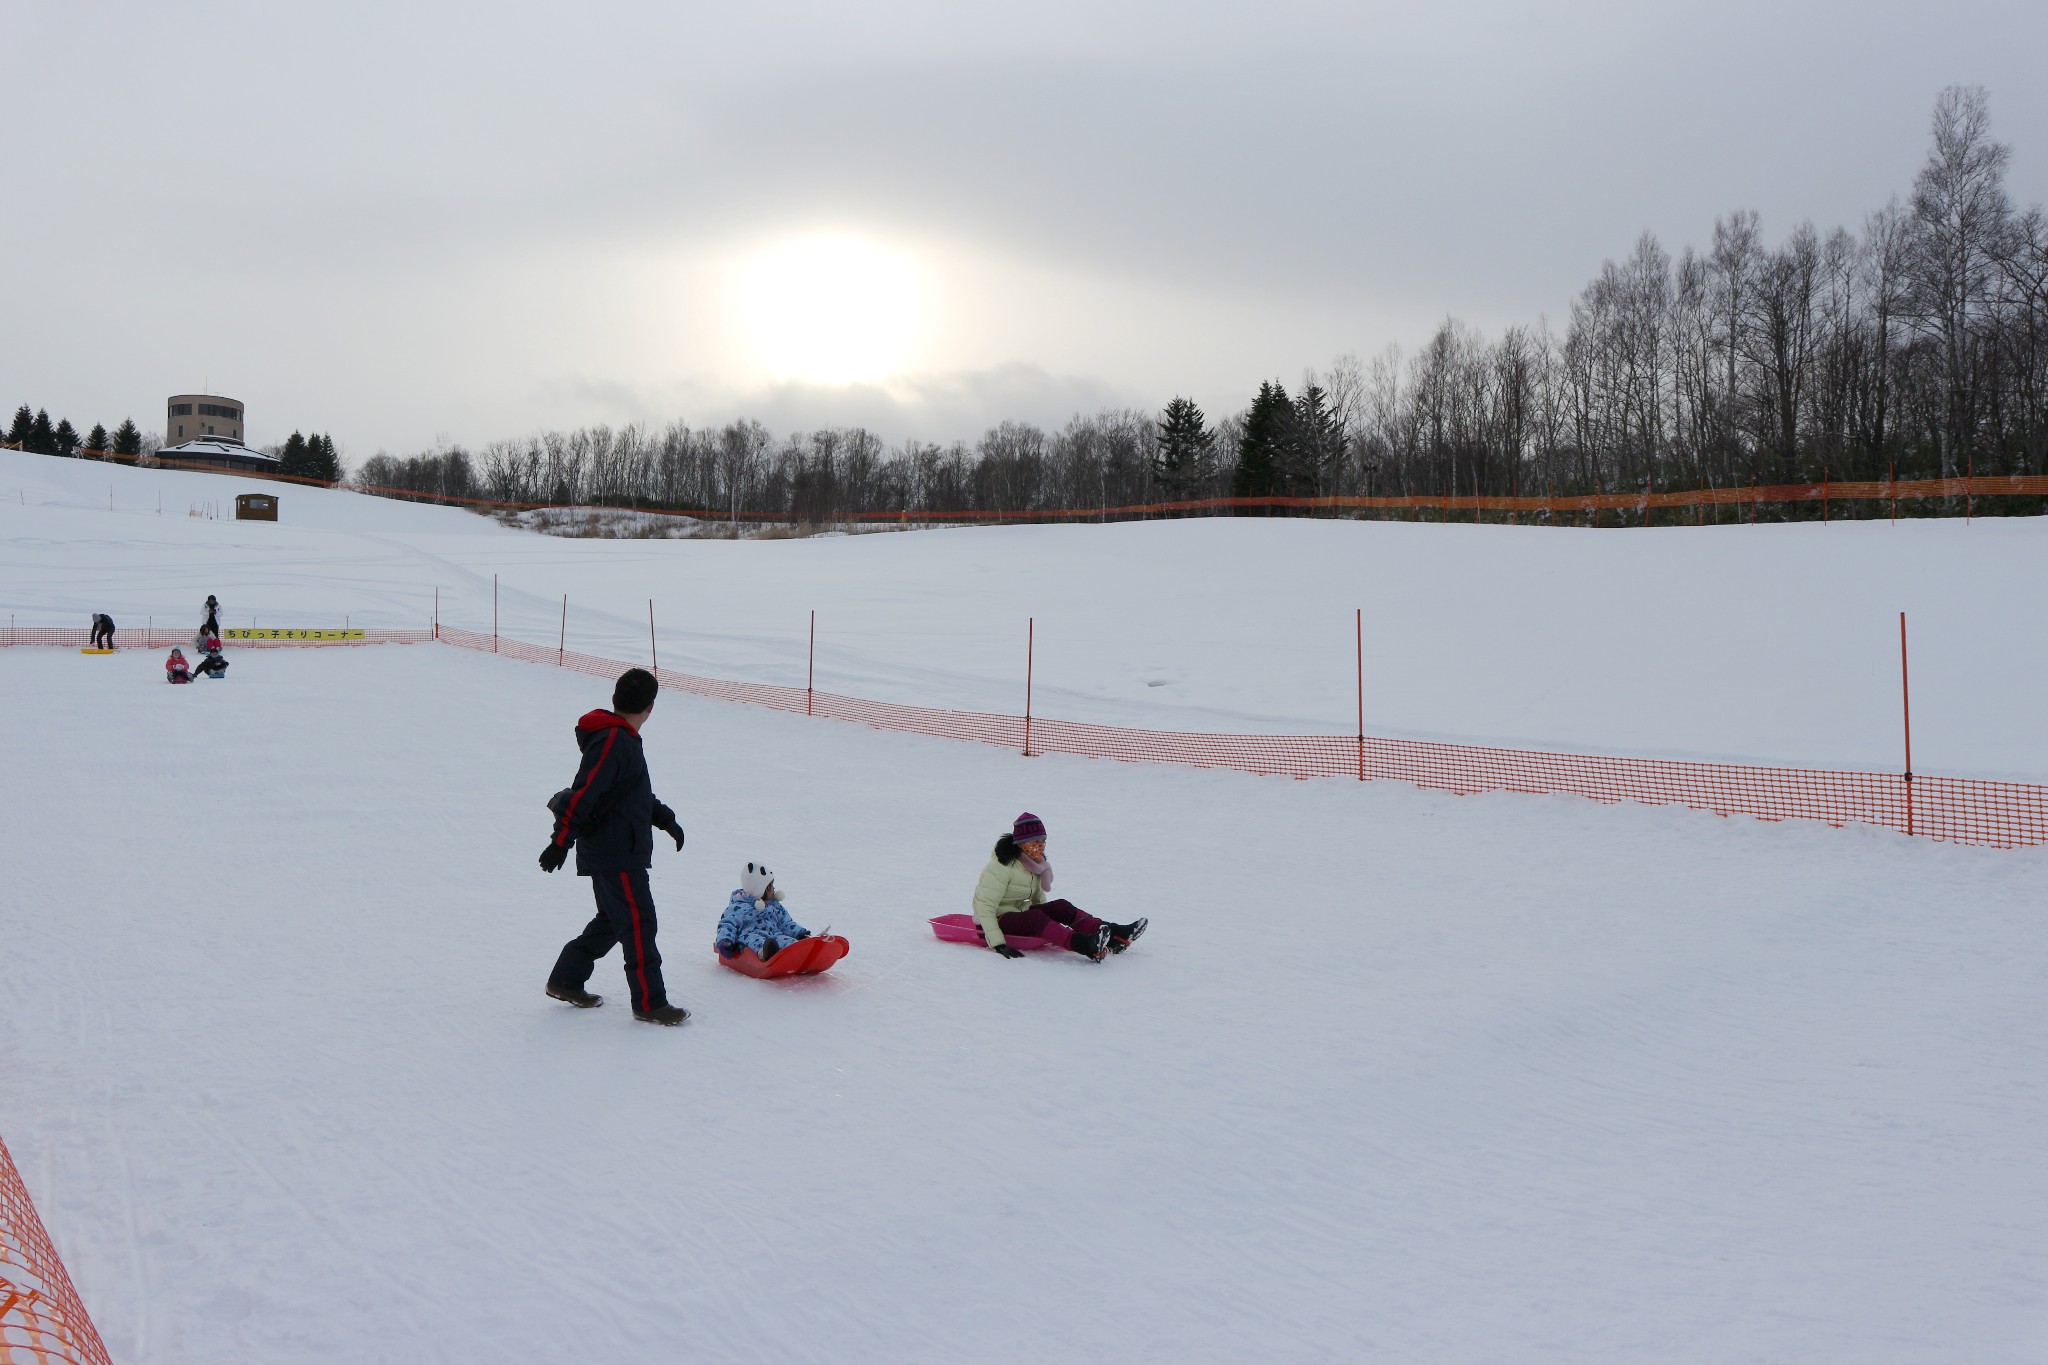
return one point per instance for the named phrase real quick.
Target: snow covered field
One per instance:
(1396, 1076)
(1771, 644)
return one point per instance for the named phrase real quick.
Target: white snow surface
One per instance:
(1770, 644)
(1395, 1076)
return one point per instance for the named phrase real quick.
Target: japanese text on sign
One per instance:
(252, 633)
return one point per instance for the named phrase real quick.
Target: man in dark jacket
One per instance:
(610, 814)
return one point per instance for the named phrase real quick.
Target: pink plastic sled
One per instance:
(963, 929)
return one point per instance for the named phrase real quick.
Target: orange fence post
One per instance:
(1030, 651)
(653, 650)
(1906, 711)
(562, 645)
(811, 671)
(1359, 622)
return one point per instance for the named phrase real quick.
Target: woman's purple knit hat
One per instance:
(1027, 828)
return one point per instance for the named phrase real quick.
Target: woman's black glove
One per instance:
(553, 856)
(1007, 951)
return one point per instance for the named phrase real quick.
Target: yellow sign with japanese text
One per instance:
(252, 633)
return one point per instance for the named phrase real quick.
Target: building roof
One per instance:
(218, 450)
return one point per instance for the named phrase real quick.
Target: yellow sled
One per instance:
(88, 649)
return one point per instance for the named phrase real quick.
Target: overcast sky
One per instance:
(410, 223)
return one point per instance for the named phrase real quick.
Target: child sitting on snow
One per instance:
(1010, 898)
(175, 668)
(756, 918)
(213, 666)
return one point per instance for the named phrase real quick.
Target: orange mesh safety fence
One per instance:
(1962, 810)
(1891, 491)
(42, 1321)
(1959, 809)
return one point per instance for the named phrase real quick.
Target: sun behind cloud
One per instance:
(832, 309)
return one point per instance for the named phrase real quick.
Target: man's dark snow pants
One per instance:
(625, 916)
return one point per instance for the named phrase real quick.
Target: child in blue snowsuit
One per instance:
(756, 918)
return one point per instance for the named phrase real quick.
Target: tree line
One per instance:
(307, 457)
(34, 432)
(1914, 346)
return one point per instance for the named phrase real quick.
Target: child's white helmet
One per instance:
(756, 880)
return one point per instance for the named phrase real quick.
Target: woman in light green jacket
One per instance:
(1010, 899)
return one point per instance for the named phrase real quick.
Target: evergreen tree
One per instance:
(310, 457)
(127, 440)
(42, 439)
(65, 436)
(1181, 459)
(292, 459)
(23, 428)
(96, 439)
(1315, 449)
(1262, 450)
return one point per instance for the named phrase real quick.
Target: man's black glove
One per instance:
(1007, 951)
(803, 933)
(665, 821)
(553, 856)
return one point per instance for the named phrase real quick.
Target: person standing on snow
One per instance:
(211, 626)
(610, 814)
(1011, 898)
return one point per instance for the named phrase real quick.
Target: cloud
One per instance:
(937, 408)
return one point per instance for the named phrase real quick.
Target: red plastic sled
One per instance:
(805, 957)
(963, 929)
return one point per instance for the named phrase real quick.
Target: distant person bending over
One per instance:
(103, 631)
(610, 814)
(1010, 898)
(175, 668)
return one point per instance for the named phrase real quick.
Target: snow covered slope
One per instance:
(1774, 644)
(1394, 1077)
